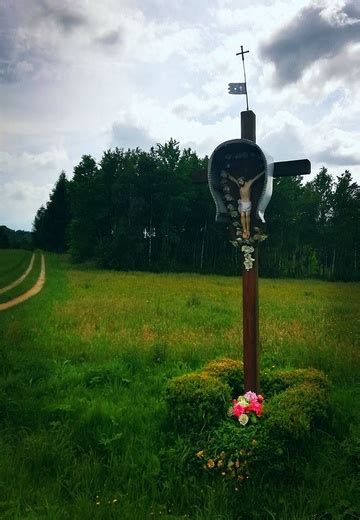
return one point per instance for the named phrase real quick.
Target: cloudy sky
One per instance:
(80, 76)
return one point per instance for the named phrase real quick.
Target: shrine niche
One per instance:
(240, 178)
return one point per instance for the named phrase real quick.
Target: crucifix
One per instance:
(240, 177)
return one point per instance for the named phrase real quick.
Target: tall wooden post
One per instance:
(248, 125)
(251, 354)
(233, 168)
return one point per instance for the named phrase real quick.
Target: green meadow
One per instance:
(83, 368)
(13, 263)
(29, 280)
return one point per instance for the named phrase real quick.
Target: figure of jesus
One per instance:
(244, 202)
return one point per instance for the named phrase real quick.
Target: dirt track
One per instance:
(22, 277)
(31, 292)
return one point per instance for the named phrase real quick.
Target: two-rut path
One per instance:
(35, 289)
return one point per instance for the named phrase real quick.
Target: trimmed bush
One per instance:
(237, 452)
(275, 381)
(196, 402)
(229, 371)
(295, 400)
(292, 413)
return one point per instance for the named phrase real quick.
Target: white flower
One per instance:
(258, 237)
(243, 419)
(234, 214)
(229, 197)
(247, 249)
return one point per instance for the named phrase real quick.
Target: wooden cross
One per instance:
(251, 351)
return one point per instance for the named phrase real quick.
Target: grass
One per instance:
(83, 367)
(27, 283)
(13, 263)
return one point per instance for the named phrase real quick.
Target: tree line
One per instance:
(137, 210)
(15, 239)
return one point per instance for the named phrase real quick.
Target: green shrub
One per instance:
(228, 451)
(232, 451)
(294, 401)
(292, 413)
(196, 402)
(229, 371)
(275, 381)
(237, 452)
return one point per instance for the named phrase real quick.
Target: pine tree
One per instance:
(50, 227)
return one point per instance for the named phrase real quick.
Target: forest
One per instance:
(138, 210)
(15, 239)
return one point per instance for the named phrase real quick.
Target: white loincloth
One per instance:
(244, 207)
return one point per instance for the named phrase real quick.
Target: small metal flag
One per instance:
(237, 88)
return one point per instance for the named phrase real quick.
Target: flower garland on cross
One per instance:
(239, 212)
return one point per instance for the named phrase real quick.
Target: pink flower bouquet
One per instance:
(247, 406)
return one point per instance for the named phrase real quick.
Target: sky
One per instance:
(82, 76)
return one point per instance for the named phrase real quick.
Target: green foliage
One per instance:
(294, 397)
(315, 228)
(15, 239)
(13, 263)
(196, 401)
(86, 205)
(50, 227)
(351, 446)
(229, 371)
(105, 214)
(297, 403)
(275, 381)
(26, 284)
(97, 429)
(4, 239)
(291, 414)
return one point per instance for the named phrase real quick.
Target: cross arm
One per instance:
(292, 168)
(281, 169)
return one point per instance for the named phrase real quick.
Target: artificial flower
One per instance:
(243, 419)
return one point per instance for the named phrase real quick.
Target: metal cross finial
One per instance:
(242, 52)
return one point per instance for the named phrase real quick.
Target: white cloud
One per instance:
(192, 106)
(20, 202)
(26, 180)
(29, 165)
